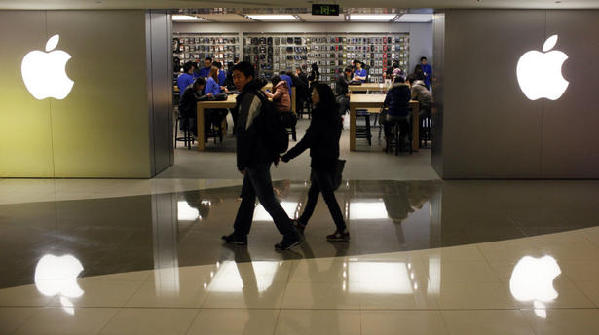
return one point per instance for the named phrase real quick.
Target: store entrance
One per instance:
(374, 52)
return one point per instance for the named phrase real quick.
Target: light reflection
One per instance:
(57, 275)
(532, 280)
(228, 279)
(260, 214)
(368, 210)
(379, 278)
(186, 212)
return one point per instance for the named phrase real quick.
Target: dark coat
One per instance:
(322, 138)
(398, 100)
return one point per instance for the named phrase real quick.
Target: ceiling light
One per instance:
(187, 18)
(377, 17)
(415, 18)
(272, 17)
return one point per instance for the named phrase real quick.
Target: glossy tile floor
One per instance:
(426, 257)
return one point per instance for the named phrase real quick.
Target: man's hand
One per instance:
(209, 94)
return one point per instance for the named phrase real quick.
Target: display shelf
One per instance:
(223, 47)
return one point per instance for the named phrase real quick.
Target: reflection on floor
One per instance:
(426, 257)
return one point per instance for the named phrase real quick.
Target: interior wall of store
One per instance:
(490, 129)
(101, 129)
(421, 34)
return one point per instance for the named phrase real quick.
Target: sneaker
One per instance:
(338, 236)
(235, 239)
(287, 243)
(299, 227)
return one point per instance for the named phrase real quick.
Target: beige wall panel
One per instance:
(25, 132)
(101, 129)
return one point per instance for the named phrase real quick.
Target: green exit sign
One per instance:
(325, 10)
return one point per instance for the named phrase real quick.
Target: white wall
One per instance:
(421, 34)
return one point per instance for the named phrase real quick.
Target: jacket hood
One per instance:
(420, 82)
(399, 85)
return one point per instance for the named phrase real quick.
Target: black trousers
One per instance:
(257, 182)
(322, 182)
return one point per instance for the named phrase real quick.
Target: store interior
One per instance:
(282, 40)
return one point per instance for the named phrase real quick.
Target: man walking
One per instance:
(254, 158)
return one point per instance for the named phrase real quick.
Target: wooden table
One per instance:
(202, 105)
(368, 87)
(363, 101)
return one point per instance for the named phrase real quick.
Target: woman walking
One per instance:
(322, 138)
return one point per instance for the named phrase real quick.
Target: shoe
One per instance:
(298, 226)
(287, 243)
(235, 239)
(338, 236)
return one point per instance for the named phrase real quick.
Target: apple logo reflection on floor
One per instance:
(532, 280)
(57, 276)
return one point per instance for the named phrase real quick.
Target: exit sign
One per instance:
(325, 10)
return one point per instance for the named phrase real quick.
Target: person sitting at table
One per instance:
(221, 74)
(422, 94)
(360, 73)
(397, 103)
(282, 101)
(214, 116)
(212, 85)
(185, 79)
(188, 105)
(288, 80)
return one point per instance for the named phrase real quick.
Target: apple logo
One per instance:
(532, 280)
(44, 72)
(57, 276)
(540, 73)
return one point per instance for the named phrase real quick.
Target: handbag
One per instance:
(338, 177)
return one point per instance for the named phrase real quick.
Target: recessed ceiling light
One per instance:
(187, 18)
(415, 18)
(375, 17)
(272, 17)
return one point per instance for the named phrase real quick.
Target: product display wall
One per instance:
(194, 46)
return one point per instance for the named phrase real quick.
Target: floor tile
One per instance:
(494, 322)
(148, 321)
(581, 270)
(183, 294)
(591, 290)
(13, 318)
(318, 322)
(234, 322)
(319, 296)
(475, 296)
(26, 295)
(102, 292)
(55, 321)
(248, 296)
(468, 272)
(564, 321)
(403, 322)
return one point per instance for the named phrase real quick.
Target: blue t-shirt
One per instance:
(289, 82)
(212, 86)
(204, 72)
(428, 71)
(222, 77)
(361, 73)
(184, 80)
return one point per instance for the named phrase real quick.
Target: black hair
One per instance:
(208, 58)
(230, 65)
(289, 73)
(188, 66)
(411, 79)
(423, 57)
(419, 74)
(246, 68)
(326, 99)
(218, 65)
(199, 82)
(315, 67)
(398, 79)
(298, 68)
(348, 69)
(275, 80)
(283, 72)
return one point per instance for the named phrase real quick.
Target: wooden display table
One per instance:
(375, 101)
(368, 87)
(202, 105)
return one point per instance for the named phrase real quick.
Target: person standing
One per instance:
(287, 78)
(185, 79)
(221, 75)
(314, 76)
(427, 70)
(360, 73)
(254, 158)
(205, 71)
(342, 89)
(322, 138)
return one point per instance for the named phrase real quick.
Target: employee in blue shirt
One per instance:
(186, 78)
(428, 71)
(287, 78)
(222, 76)
(360, 73)
(212, 85)
(205, 71)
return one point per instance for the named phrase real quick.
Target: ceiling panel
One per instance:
(318, 18)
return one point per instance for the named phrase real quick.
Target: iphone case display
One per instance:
(198, 46)
(275, 52)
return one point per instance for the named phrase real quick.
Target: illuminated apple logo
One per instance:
(57, 276)
(540, 73)
(532, 280)
(44, 73)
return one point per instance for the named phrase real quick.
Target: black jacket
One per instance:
(251, 136)
(322, 138)
(342, 85)
(398, 100)
(188, 104)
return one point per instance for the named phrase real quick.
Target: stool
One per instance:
(395, 142)
(425, 130)
(363, 131)
(187, 138)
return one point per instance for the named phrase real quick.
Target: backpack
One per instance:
(275, 134)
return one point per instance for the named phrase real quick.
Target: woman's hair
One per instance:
(275, 80)
(214, 73)
(326, 99)
(315, 67)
